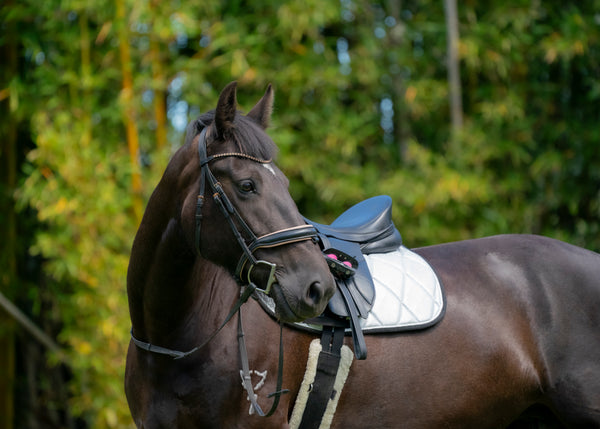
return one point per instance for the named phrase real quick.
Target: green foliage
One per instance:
(361, 109)
(80, 193)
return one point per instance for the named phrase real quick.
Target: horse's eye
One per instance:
(247, 186)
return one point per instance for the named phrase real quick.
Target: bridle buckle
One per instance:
(271, 279)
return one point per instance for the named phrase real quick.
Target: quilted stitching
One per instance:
(408, 294)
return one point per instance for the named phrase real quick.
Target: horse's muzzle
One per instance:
(294, 305)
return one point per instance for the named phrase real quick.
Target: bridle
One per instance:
(247, 262)
(245, 266)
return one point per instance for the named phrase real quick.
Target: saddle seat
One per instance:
(368, 223)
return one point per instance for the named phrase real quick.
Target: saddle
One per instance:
(363, 249)
(365, 228)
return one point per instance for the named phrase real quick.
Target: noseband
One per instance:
(247, 262)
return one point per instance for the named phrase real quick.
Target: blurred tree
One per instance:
(8, 229)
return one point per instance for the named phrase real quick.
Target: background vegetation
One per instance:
(95, 94)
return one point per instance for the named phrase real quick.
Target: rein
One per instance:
(247, 263)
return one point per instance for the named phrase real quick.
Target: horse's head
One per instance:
(240, 215)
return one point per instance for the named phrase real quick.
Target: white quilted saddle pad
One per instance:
(408, 294)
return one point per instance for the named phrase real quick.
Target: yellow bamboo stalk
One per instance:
(159, 88)
(129, 112)
(160, 111)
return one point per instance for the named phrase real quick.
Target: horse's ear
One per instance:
(226, 108)
(261, 113)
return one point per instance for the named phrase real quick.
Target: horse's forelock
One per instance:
(196, 126)
(251, 139)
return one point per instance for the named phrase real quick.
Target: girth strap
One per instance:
(322, 390)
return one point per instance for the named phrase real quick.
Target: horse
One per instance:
(518, 346)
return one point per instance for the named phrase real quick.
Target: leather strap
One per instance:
(246, 376)
(200, 200)
(235, 220)
(358, 338)
(176, 354)
(245, 372)
(284, 236)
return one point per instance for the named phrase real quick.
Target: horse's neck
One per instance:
(170, 288)
(159, 269)
(167, 283)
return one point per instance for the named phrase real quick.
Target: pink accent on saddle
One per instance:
(333, 256)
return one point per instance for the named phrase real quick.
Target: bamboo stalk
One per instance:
(28, 325)
(159, 84)
(129, 112)
(398, 89)
(455, 91)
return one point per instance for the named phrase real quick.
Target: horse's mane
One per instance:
(247, 135)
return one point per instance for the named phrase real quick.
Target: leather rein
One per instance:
(246, 264)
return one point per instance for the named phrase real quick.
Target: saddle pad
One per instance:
(408, 293)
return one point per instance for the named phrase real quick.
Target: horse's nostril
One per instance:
(315, 293)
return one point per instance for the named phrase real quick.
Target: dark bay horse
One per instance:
(519, 345)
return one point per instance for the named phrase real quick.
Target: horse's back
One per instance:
(551, 287)
(561, 282)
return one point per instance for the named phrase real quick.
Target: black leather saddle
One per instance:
(368, 224)
(365, 228)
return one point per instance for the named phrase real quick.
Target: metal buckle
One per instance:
(271, 279)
